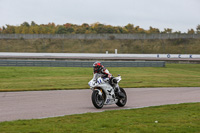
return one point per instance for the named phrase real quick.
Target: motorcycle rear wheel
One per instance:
(122, 101)
(97, 100)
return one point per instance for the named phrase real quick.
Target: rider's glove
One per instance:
(109, 76)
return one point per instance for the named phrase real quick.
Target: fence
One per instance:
(99, 36)
(37, 63)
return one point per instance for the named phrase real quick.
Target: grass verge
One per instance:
(181, 118)
(52, 78)
(152, 46)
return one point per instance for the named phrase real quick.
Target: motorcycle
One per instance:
(105, 93)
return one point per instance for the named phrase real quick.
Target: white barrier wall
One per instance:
(178, 56)
(82, 55)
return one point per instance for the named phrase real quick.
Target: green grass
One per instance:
(181, 118)
(52, 78)
(154, 46)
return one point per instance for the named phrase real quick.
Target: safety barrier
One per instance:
(38, 63)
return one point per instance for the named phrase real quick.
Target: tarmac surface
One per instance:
(43, 104)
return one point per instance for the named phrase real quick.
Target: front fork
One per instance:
(116, 88)
(100, 92)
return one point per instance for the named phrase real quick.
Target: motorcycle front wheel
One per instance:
(122, 101)
(97, 100)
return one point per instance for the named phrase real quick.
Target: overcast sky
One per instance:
(180, 15)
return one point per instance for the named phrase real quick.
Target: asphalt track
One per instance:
(43, 104)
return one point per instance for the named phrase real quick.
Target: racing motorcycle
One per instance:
(107, 92)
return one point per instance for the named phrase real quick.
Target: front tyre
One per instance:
(97, 99)
(122, 101)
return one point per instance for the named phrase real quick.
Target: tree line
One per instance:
(95, 28)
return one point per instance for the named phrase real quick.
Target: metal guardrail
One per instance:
(36, 63)
(99, 36)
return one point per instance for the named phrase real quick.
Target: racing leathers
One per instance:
(103, 73)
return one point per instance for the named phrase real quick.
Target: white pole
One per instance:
(115, 51)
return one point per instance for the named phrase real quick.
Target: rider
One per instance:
(101, 71)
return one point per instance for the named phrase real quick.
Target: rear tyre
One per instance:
(122, 101)
(97, 100)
